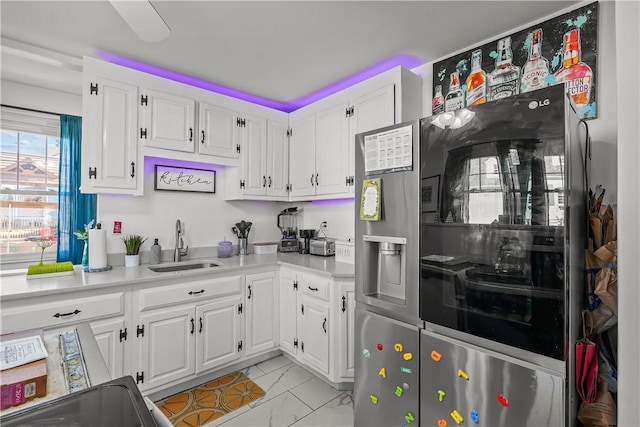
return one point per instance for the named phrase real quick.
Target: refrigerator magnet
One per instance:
(370, 200)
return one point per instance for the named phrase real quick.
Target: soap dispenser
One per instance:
(156, 253)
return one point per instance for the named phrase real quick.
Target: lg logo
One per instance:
(535, 104)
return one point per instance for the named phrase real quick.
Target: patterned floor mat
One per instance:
(206, 402)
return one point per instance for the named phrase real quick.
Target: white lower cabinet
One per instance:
(111, 335)
(219, 333)
(345, 339)
(174, 342)
(166, 346)
(314, 333)
(314, 329)
(261, 296)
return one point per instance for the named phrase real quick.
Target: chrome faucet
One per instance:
(178, 253)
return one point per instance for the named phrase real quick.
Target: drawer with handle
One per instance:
(59, 310)
(317, 287)
(189, 292)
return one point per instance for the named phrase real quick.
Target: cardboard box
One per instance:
(24, 382)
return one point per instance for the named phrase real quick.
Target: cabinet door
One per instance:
(277, 159)
(166, 348)
(346, 315)
(217, 131)
(302, 164)
(218, 333)
(109, 137)
(314, 335)
(253, 145)
(107, 333)
(288, 311)
(262, 305)
(332, 145)
(370, 111)
(167, 121)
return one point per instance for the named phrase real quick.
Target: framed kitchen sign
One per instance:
(172, 178)
(561, 50)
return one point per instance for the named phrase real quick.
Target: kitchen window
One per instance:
(29, 162)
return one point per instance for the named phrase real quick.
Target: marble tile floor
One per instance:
(294, 397)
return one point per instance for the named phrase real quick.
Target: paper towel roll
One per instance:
(97, 248)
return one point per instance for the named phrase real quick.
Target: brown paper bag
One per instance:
(608, 223)
(600, 413)
(607, 253)
(607, 288)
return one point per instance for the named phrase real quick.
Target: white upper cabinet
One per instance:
(302, 159)
(277, 160)
(110, 162)
(332, 155)
(370, 111)
(264, 159)
(271, 155)
(323, 140)
(217, 131)
(167, 121)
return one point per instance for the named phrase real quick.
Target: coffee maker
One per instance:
(287, 222)
(306, 235)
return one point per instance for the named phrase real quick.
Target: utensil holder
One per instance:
(242, 246)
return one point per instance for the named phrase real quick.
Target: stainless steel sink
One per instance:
(182, 267)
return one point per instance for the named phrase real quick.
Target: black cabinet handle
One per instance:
(72, 313)
(312, 289)
(202, 137)
(249, 297)
(324, 325)
(344, 305)
(316, 180)
(200, 331)
(133, 170)
(190, 134)
(201, 291)
(312, 180)
(264, 181)
(269, 182)
(193, 326)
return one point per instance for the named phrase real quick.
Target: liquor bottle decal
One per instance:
(455, 98)
(576, 75)
(536, 70)
(437, 106)
(504, 80)
(476, 81)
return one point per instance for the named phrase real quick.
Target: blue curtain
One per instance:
(74, 209)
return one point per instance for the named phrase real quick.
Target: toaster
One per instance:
(322, 246)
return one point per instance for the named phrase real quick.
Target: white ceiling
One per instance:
(280, 50)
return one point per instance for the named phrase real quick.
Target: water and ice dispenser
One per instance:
(385, 268)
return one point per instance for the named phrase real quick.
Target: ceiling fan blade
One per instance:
(143, 19)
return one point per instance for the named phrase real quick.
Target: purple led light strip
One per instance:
(407, 61)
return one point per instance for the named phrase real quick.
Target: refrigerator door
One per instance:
(387, 263)
(386, 371)
(461, 383)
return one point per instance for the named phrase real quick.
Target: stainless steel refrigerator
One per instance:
(502, 241)
(387, 227)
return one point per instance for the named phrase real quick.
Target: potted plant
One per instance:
(132, 244)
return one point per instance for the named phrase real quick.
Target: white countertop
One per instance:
(14, 284)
